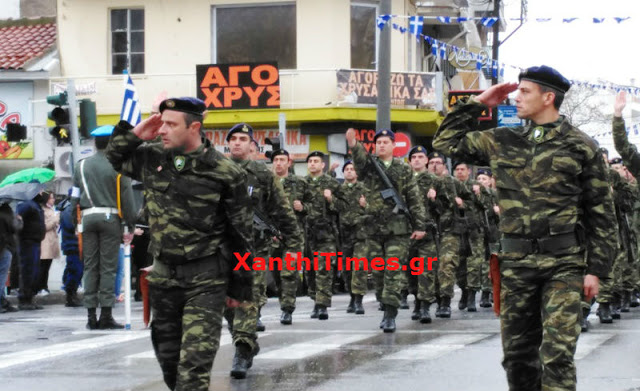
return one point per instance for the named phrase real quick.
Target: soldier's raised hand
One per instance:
(619, 105)
(476, 189)
(362, 201)
(432, 194)
(327, 195)
(148, 129)
(494, 95)
(297, 206)
(351, 137)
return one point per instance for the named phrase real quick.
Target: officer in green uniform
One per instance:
(270, 208)
(199, 215)
(96, 190)
(321, 228)
(393, 231)
(557, 222)
(491, 233)
(424, 285)
(353, 232)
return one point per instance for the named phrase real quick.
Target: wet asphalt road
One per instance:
(51, 350)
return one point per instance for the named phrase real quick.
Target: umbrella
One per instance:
(20, 191)
(40, 174)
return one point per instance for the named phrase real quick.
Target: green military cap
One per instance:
(546, 76)
(240, 128)
(315, 154)
(277, 152)
(436, 155)
(189, 105)
(615, 160)
(484, 171)
(417, 149)
(386, 133)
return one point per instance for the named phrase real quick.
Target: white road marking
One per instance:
(436, 347)
(302, 350)
(588, 342)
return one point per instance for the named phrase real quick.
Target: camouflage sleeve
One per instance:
(281, 212)
(360, 160)
(338, 201)
(123, 152)
(627, 151)
(599, 221)
(456, 139)
(415, 202)
(129, 212)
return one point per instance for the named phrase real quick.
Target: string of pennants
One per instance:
(632, 131)
(439, 48)
(490, 21)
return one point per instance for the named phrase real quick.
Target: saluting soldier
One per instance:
(199, 214)
(393, 232)
(557, 222)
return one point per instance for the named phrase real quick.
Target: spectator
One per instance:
(7, 246)
(31, 236)
(50, 246)
(72, 275)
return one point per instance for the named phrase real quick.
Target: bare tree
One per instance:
(584, 106)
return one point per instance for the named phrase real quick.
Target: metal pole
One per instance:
(383, 118)
(127, 283)
(73, 118)
(282, 130)
(496, 42)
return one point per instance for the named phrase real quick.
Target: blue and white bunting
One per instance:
(415, 24)
(130, 105)
(488, 21)
(444, 19)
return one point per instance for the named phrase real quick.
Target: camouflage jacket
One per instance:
(322, 214)
(628, 152)
(296, 188)
(401, 176)
(556, 185)
(195, 201)
(269, 198)
(351, 213)
(448, 189)
(425, 181)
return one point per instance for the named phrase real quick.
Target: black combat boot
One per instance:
(286, 318)
(259, 325)
(384, 317)
(323, 314)
(72, 299)
(242, 361)
(471, 301)
(462, 304)
(604, 313)
(106, 321)
(359, 309)
(445, 311)
(380, 306)
(635, 299)
(92, 320)
(314, 313)
(626, 301)
(403, 299)
(425, 317)
(584, 324)
(415, 315)
(615, 307)
(390, 314)
(351, 308)
(485, 299)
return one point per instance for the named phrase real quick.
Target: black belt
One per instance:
(543, 245)
(192, 268)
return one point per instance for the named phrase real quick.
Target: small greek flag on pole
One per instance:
(130, 105)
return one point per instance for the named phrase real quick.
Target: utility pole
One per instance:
(383, 115)
(75, 138)
(496, 42)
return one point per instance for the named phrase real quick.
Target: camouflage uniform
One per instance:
(492, 236)
(389, 233)
(354, 235)
(199, 212)
(267, 197)
(556, 206)
(321, 234)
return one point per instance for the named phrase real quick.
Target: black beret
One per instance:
(484, 171)
(384, 132)
(546, 76)
(615, 160)
(244, 128)
(278, 152)
(417, 149)
(315, 154)
(185, 104)
(457, 163)
(603, 150)
(436, 155)
(346, 163)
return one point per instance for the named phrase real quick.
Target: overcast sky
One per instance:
(580, 50)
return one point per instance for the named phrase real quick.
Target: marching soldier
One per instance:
(272, 216)
(393, 230)
(492, 235)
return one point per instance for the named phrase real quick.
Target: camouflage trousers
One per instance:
(288, 281)
(244, 318)
(389, 283)
(448, 260)
(426, 282)
(477, 264)
(185, 333)
(612, 286)
(322, 291)
(359, 274)
(540, 322)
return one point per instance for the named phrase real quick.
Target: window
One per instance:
(257, 33)
(127, 40)
(363, 35)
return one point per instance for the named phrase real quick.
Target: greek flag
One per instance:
(415, 24)
(130, 105)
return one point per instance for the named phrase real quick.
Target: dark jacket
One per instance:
(33, 228)
(7, 229)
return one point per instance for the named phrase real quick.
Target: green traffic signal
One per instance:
(58, 100)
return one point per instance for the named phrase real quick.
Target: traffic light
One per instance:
(88, 120)
(60, 116)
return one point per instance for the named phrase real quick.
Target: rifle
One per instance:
(79, 219)
(262, 224)
(390, 193)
